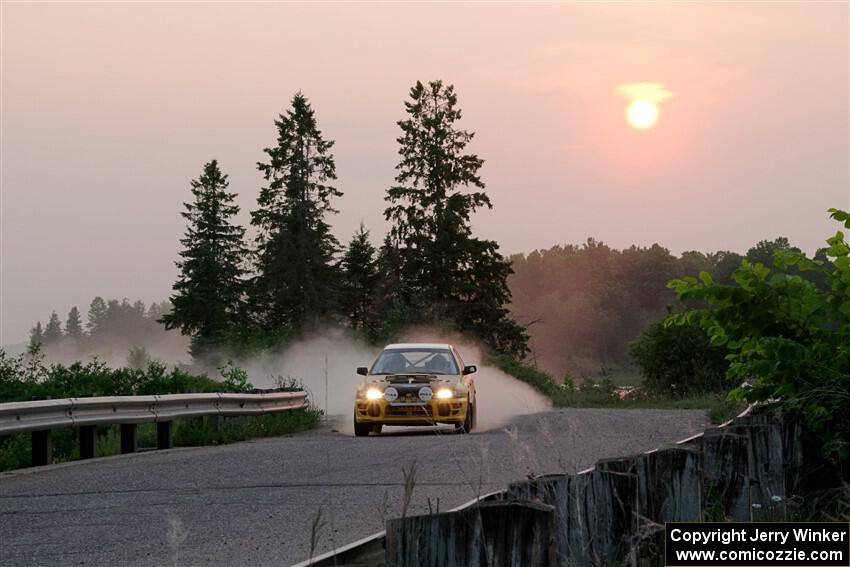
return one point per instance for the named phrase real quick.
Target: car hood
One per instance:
(407, 379)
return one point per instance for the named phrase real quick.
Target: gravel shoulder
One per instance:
(254, 503)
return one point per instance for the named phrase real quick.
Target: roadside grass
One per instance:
(603, 394)
(16, 452)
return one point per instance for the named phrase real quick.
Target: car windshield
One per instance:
(415, 361)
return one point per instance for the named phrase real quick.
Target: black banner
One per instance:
(757, 544)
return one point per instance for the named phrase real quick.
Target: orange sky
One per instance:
(109, 109)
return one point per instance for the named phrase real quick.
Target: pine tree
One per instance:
(53, 330)
(456, 277)
(296, 276)
(36, 336)
(74, 325)
(96, 316)
(207, 299)
(359, 281)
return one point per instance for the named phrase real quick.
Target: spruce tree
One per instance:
(359, 281)
(74, 325)
(36, 336)
(295, 273)
(53, 330)
(207, 296)
(96, 316)
(455, 277)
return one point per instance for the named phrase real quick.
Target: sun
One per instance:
(642, 114)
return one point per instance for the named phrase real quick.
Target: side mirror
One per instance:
(472, 369)
(362, 370)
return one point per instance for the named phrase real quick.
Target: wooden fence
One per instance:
(614, 513)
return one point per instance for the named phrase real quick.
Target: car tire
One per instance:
(362, 429)
(376, 429)
(468, 421)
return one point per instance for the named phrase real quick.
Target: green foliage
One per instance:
(359, 283)
(721, 409)
(138, 358)
(296, 276)
(97, 317)
(446, 273)
(207, 299)
(26, 377)
(765, 250)
(235, 379)
(541, 381)
(241, 343)
(788, 336)
(36, 335)
(679, 360)
(603, 393)
(74, 325)
(53, 330)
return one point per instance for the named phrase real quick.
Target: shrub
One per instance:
(25, 377)
(788, 334)
(679, 360)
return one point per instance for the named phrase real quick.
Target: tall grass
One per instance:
(603, 393)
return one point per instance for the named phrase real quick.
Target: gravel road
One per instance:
(253, 503)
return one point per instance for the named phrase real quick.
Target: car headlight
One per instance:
(444, 394)
(374, 394)
(425, 394)
(391, 394)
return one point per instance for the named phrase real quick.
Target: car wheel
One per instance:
(376, 429)
(468, 421)
(361, 429)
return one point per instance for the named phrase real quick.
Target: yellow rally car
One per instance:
(415, 384)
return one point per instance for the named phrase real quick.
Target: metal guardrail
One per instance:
(41, 416)
(17, 417)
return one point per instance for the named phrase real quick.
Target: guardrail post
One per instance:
(88, 442)
(163, 435)
(42, 448)
(129, 438)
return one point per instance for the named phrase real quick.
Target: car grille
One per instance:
(417, 410)
(418, 379)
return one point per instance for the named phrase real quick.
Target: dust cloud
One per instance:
(325, 363)
(168, 347)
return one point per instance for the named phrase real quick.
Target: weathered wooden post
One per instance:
(490, 534)
(792, 452)
(163, 435)
(42, 448)
(669, 490)
(766, 467)
(129, 438)
(726, 483)
(552, 491)
(88, 442)
(745, 470)
(616, 488)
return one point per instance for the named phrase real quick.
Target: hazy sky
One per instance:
(110, 109)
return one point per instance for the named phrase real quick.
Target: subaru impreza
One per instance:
(415, 384)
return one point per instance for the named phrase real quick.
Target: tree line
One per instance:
(584, 305)
(294, 274)
(108, 322)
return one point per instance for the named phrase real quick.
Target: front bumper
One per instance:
(411, 413)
